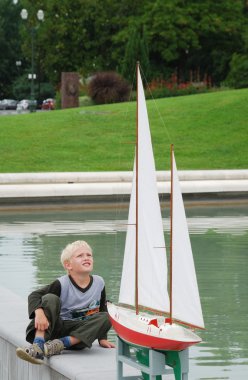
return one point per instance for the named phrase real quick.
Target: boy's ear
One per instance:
(67, 264)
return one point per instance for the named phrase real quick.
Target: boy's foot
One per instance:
(32, 354)
(53, 347)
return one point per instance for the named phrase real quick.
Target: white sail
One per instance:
(152, 265)
(186, 304)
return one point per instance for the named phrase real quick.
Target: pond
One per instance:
(31, 242)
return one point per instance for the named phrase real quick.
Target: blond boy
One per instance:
(70, 313)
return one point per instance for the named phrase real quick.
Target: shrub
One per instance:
(58, 100)
(108, 87)
(238, 74)
(161, 88)
(85, 101)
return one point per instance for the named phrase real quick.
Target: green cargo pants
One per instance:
(94, 327)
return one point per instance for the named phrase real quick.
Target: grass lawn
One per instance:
(209, 131)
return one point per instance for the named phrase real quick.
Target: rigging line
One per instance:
(120, 198)
(132, 85)
(137, 194)
(125, 116)
(156, 106)
(163, 195)
(171, 232)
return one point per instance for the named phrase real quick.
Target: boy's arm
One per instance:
(41, 322)
(103, 305)
(35, 298)
(106, 344)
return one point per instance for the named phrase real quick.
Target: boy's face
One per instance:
(81, 261)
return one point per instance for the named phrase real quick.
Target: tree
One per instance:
(218, 27)
(136, 50)
(77, 38)
(238, 74)
(10, 51)
(89, 36)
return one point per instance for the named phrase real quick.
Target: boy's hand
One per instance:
(106, 344)
(40, 321)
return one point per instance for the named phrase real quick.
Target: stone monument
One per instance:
(69, 90)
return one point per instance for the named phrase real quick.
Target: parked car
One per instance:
(8, 104)
(26, 104)
(48, 104)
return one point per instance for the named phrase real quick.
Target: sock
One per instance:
(66, 341)
(40, 341)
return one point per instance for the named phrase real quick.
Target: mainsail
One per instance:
(152, 265)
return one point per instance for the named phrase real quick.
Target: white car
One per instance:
(22, 105)
(25, 104)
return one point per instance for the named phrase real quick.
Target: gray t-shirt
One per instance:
(78, 304)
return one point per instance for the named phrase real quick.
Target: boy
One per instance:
(70, 313)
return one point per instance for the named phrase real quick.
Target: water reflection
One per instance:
(30, 245)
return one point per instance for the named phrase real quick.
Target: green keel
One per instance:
(142, 356)
(172, 359)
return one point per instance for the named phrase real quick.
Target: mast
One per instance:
(171, 233)
(137, 192)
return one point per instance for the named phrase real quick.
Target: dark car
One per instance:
(8, 104)
(48, 104)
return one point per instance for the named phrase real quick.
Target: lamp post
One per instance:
(32, 76)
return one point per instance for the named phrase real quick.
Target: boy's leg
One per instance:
(81, 334)
(88, 330)
(77, 335)
(51, 306)
(35, 352)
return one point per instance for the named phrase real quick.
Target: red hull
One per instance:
(149, 341)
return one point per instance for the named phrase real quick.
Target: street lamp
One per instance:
(32, 76)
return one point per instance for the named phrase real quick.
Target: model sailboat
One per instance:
(144, 300)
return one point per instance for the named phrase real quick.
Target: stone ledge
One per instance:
(21, 186)
(117, 176)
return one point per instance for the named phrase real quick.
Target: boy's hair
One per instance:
(68, 251)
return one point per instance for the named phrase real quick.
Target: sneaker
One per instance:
(53, 347)
(32, 354)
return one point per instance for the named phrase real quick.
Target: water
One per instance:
(30, 246)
